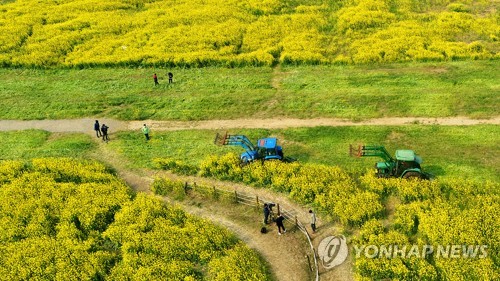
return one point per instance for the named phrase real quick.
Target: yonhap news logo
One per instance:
(332, 251)
(421, 251)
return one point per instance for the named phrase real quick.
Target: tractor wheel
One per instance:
(244, 161)
(412, 175)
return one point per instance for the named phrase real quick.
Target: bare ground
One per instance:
(86, 125)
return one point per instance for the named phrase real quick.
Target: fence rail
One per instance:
(256, 201)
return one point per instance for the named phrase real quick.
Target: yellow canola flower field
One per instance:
(378, 212)
(80, 33)
(67, 219)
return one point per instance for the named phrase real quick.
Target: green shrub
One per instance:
(175, 166)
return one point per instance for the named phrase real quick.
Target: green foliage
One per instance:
(452, 151)
(232, 265)
(164, 187)
(36, 143)
(175, 166)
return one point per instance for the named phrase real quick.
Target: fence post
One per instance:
(215, 192)
(257, 201)
(236, 196)
(309, 263)
(278, 207)
(297, 222)
(185, 187)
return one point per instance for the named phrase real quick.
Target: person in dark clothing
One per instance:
(155, 78)
(97, 129)
(279, 223)
(266, 213)
(170, 77)
(104, 130)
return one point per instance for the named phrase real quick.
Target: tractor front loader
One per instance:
(405, 164)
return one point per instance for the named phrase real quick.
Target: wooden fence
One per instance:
(258, 202)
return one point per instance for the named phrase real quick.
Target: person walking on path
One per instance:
(267, 212)
(104, 130)
(155, 78)
(279, 223)
(170, 77)
(145, 131)
(97, 129)
(313, 220)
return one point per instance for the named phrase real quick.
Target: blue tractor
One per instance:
(265, 149)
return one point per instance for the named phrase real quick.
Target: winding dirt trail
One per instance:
(285, 254)
(86, 124)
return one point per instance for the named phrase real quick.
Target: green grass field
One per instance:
(465, 88)
(464, 152)
(30, 144)
(448, 151)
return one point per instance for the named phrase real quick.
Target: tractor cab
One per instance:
(406, 163)
(268, 149)
(407, 160)
(264, 149)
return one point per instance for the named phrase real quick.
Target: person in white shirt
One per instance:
(313, 220)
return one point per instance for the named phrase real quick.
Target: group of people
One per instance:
(170, 78)
(102, 131)
(268, 217)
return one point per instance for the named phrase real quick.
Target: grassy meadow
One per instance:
(448, 151)
(465, 88)
(457, 151)
(25, 145)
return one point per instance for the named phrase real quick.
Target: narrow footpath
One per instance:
(83, 125)
(285, 254)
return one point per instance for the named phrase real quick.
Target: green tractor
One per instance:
(406, 163)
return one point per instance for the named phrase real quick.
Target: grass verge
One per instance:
(30, 144)
(448, 151)
(464, 88)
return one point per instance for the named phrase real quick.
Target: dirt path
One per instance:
(85, 125)
(285, 254)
